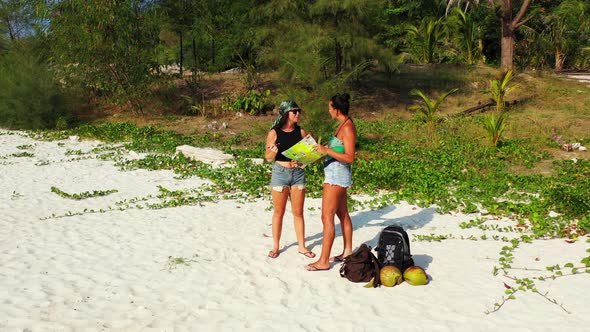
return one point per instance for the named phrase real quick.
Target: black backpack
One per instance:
(394, 248)
(361, 266)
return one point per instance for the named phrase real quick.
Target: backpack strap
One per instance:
(376, 271)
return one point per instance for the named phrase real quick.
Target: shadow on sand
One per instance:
(375, 218)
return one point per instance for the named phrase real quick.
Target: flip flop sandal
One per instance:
(308, 254)
(312, 268)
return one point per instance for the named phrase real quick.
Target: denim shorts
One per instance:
(338, 173)
(287, 177)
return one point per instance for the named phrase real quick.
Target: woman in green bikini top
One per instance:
(340, 154)
(335, 144)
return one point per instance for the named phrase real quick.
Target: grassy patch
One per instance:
(525, 177)
(459, 173)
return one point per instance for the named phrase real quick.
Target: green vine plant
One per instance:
(528, 284)
(506, 259)
(83, 195)
(166, 198)
(22, 154)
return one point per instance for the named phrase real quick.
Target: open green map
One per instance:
(304, 151)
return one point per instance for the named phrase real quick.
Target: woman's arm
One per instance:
(271, 147)
(349, 140)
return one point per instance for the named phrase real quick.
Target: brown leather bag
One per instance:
(361, 266)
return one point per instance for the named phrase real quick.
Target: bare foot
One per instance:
(317, 267)
(313, 268)
(308, 254)
(339, 258)
(274, 253)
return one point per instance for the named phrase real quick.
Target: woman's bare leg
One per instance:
(345, 223)
(279, 200)
(297, 203)
(330, 201)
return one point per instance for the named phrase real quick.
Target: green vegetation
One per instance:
(163, 58)
(494, 124)
(151, 57)
(30, 98)
(460, 174)
(174, 262)
(83, 195)
(427, 111)
(253, 102)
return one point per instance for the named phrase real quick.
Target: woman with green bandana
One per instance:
(288, 178)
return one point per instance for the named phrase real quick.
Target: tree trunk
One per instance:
(338, 50)
(9, 27)
(507, 43)
(482, 107)
(509, 25)
(181, 56)
(194, 56)
(559, 59)
(212, 50)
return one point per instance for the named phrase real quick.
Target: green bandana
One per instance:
(284, 108)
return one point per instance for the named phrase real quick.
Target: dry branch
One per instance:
(492, 103)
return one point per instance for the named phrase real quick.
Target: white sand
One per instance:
(111, 271)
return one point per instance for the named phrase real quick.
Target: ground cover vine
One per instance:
(458, 174)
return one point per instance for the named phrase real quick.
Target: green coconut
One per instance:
(390, 276)
(415, 276)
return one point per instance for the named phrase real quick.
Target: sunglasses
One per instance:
(295, 111)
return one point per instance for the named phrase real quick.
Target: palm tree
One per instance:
(500, 88)
(466, 36)
(426, 38)
(564, 29)
(494, 123)
(508, 22)
(428, 110)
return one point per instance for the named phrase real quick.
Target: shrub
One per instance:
(29, 95)
(584, 224)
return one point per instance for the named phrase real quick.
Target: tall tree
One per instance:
(351, 25)
(185, 18)
(16, 18)
(566, 27)
(466, 35)
(509, 23)
(426, 39)
(106, 45)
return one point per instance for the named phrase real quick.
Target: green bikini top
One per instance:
(335, 144)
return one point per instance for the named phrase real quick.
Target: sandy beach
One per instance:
(67, 266)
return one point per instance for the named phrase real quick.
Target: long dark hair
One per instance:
(284, 109)
(341, 102)
(281, 122)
